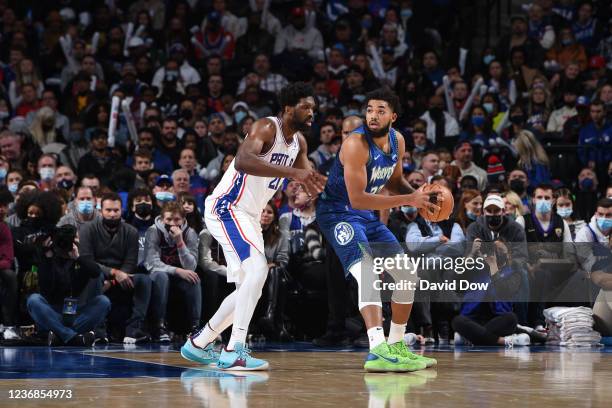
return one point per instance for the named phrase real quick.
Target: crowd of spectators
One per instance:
(520, 131)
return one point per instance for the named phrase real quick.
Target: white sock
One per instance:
(221, 320)
(396, 333)
(376, 335)
(238, 336)
(205, 336)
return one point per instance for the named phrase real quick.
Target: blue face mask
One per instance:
(488, 106)
(471, 215)
(13, 187)
(478, 121)
(85, 207)
(406, 13)
(238, 116)
(487, 59)
(165, 196)
(604, 224)
(408, 210)
(2, 173)
(543, 206)
(408, 167)
(587, 184)
(564, 212)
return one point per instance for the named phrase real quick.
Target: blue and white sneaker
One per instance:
(207, 355)
(240, 359)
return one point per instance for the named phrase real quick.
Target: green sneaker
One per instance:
(380, 359)
(401, 350)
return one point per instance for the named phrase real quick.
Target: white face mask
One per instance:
(47, 173)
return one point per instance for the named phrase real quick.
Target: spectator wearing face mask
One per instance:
(113, 245)
(171, 257)
(47, 165)
(141, 215)
(164, 190)
(543, 224)
(564, 205)
(594, 244)
(81, 210)
(586, 193)
(469, 208)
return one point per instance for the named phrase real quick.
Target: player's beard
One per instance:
(383, 131)
(301, 127)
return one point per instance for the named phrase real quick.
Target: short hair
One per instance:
(144, 154)
(387, 95)
(49, 155)
(291, 94)
(543, 186)
(110, 196)
(83, 188)
(604, 202)
(597, 102)
(332, 124)
(173, 207)
(170, 119)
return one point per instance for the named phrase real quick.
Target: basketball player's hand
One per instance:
(189, 276)
(123, 279)
(313, 181)
(421, 199)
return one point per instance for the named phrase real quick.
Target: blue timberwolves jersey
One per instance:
(380, 167)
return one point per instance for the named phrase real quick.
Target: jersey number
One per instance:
(275, 183)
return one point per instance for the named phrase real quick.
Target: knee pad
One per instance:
(367, 296)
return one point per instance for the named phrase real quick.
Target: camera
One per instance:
(63, 238)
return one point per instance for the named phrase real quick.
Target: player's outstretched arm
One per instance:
(354, 155)
(247, 159)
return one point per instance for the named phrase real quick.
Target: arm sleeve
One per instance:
(153, 262)
(189, 253)
(92, 269)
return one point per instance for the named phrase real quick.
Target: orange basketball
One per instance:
(443, 199)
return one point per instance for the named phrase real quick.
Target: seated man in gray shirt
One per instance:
(113, 245)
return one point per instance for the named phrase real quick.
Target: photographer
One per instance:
(62, 307)
(494, 226)
(171, 257)
(486, 317)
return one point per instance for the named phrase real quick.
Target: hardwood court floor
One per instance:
(155, 378)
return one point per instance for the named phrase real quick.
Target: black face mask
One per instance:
(111, 224)
(436, 112)
(517, 119)
(518, 186)
(187, 114)
(66, 184)
(143, 210)
(34, 222)
(494, 221)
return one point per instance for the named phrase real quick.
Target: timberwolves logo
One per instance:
(343, 233)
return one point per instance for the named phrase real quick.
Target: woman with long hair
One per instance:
(42, 128)
(192, 214)
(513, 206)
(532, 158)
(276, 247)
(565, 203)
(25, 73)
(539, 107)
(469, 208)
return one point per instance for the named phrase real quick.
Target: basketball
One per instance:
(446, 203)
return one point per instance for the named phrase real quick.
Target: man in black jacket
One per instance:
(62, 307)
(100, 160)
(113, 245)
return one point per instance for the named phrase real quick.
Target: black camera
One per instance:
(63, 238)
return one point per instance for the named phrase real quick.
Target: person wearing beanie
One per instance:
(496, 173)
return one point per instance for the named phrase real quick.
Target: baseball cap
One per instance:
(494, 200)
(163, 179)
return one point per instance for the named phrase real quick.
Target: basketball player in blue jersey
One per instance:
(275, 149)
(367, 162)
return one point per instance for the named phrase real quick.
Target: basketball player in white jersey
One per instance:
(274, 150)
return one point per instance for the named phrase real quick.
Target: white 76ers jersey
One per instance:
(251, 193)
